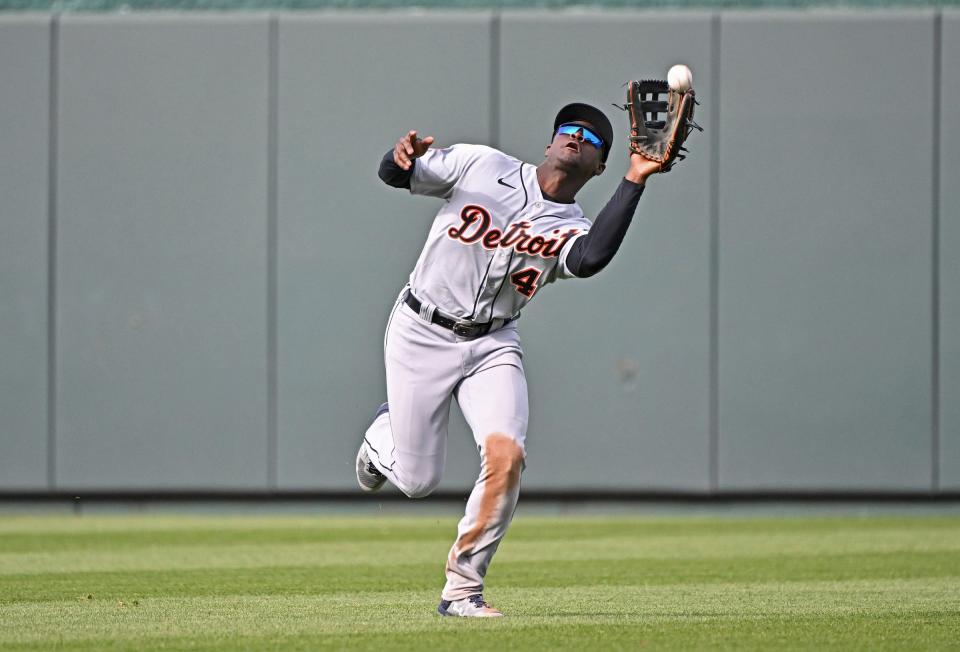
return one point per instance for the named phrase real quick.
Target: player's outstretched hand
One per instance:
(641, 168)
(410, 147)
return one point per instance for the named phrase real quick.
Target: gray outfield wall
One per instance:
(197, 258)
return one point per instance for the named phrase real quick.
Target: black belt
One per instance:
(458, 326)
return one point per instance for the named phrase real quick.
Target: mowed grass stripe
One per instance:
(19, 534)
(299, 580)
(887, 632)
(827, 613)
(566, 584)
(132, 539)
(248, 555)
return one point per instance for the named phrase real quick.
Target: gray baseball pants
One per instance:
(426, 366)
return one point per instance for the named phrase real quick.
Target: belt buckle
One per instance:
(464, 329)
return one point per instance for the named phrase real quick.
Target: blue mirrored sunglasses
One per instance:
(588, 136)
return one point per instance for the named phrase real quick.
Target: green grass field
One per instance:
(583, 583)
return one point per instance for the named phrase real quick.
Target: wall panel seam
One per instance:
(495, 80)
(935, 254)
(272, 284)
(52, 153)
(714, 271)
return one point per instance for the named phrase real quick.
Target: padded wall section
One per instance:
(161, 276)
(347, 242)
(825, 251)
(618, 364)
(24, 115)
(950, 255)
(162, 280)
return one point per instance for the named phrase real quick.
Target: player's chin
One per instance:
(584, 158)
(568, 160)
(583, 166)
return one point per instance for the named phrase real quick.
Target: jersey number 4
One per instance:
(526, 280)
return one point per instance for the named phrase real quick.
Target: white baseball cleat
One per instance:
(472, 607)
(368, 477)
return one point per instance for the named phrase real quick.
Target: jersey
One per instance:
(496, 240)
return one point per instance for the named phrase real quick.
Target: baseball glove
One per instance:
(655, 138)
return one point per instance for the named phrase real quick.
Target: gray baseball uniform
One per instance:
(494, 243)
(453, 332)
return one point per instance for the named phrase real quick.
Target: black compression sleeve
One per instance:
(394, 175)
(591, 253)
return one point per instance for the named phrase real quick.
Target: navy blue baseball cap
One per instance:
(579, 111)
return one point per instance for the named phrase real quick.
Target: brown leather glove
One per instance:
(655, 138)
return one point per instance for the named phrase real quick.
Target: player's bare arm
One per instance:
(409, 148)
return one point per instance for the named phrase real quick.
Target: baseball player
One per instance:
(506, 230)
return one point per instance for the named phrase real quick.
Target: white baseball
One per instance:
(680, 78)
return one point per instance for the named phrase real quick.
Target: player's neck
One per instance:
(558, 185)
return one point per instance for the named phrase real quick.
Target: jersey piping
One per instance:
(476, 300)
